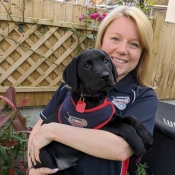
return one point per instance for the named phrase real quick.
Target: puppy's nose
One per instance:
(105, 76)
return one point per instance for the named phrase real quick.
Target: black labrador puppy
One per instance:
(91, 75)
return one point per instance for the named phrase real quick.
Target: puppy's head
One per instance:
(91, 71)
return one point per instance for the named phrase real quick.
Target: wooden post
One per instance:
(165, 81)
(170, 15)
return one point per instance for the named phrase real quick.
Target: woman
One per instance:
(126, 35)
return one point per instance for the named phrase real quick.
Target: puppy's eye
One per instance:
(106, 61)
(87, 66)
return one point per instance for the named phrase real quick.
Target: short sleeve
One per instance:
(56, 100)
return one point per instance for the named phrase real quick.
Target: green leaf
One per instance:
(4, 119)
(18, 138)
(15, 151)
(10, 132)
(90, 36)
(141, 169)
(2, 151)
(1, 134)
(2, 159)
(120, 3)
(9, 159)
(18, 171)
(4, 172)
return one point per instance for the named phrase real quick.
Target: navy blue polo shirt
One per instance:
(129, 98)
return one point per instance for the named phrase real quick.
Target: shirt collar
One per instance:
(126, 84)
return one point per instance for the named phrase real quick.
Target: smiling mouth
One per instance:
(118, 60)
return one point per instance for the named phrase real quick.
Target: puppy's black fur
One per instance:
(92, 74)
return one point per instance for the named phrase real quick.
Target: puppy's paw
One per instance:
(137, 145)
(142, 145)
(140, 151)
(143, 133)
(148, 142)
(132, 137)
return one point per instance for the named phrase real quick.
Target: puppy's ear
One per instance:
(114, 71)
(70, 74)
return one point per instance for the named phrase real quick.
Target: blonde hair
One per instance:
(145, 33)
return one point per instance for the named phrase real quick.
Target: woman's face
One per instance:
(122, 43)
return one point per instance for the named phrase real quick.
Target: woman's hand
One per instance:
(42, 171)
(40, 139)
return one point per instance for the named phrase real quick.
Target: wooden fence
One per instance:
(161, 2)
(163, 63)
(34, 53)
(49, 10)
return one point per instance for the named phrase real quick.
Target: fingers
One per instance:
(31, 154)
(36, 155)
(46, 171)
(42, 171)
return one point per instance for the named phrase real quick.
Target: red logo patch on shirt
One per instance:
(120, 102)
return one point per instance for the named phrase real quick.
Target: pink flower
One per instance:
(81, 17)
(104, 15)
(138, 159)
(100, 18)
(94, 15)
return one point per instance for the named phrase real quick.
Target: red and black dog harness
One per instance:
(95, 117)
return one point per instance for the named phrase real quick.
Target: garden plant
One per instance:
(13, 135)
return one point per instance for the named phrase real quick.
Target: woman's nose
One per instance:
(122, 48)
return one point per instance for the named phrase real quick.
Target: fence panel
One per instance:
(33, 56)
(165, 75)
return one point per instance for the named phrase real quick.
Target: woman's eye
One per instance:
(134, 45)
(115, 39)
(86, 66)
(106, 61)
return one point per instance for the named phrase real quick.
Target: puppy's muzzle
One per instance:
(105, 76)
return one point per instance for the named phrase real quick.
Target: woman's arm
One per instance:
(97, 143)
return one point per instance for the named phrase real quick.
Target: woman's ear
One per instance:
(70, 74)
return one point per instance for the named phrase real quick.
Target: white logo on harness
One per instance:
(75, 121)
(120, 102)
